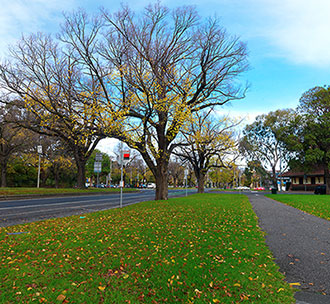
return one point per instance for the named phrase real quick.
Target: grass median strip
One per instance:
(198, 249)
(318, 205)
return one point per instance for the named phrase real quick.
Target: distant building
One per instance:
(304, 181)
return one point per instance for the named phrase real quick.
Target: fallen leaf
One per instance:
(61, 297)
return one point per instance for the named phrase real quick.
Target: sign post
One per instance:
(110, 172)
(98, 167)
(124, 157)
(39, 149)
(185, 177)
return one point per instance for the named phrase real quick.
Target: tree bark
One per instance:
(3, 174)
(201, 182)
(81, 178)
(161, 177)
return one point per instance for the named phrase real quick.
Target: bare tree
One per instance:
(170, 64)
(154, 71)
(207, 143)
(176, 171)
(58, 92)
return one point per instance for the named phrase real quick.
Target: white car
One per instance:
(151, 186)
(242, 188)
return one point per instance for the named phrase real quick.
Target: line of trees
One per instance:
(298, 138)
(137, 78)
(207, 143)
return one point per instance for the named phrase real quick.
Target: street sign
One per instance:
(126, 155)
(39, 149)
(97, 167)
(98, 157)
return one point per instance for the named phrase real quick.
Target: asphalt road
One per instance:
(300, 243)
(13, 212)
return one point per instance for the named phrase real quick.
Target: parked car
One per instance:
(242, 188)
(322, 189)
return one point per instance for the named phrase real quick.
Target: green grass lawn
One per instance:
(197, 249)
(318, 205)
(46, 191)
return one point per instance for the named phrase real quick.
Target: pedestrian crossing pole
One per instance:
(121, 174)
(124, 157)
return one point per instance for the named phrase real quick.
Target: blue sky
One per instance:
(288, 41)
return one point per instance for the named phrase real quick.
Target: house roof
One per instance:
(302, 174)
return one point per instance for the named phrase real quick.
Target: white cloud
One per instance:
(107, 145)
(298, 28)
(247, 117)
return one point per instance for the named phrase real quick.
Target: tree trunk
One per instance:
(43, 177)
(161, 177)
(274, 178)
(4, 175)
(56, 177)
(327, 179)
(81, 178)
(201, 182)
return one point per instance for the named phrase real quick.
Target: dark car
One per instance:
(320, 189)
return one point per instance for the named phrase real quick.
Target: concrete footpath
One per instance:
(300, 243)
